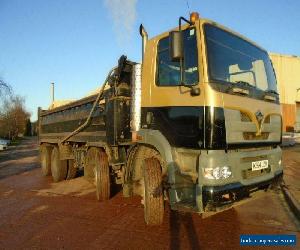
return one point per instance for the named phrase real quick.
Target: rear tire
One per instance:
(102, 177)
(153, 198)
(97, 166)
(72, 171)
(58, 168)
(45, 159)
(89, 167)
(128, 183)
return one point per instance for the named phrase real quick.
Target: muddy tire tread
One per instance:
(45, 151)
(154, 202)
(71, 170)
(58, 168)
(103, 185)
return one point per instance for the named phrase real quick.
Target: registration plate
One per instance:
(258, 165)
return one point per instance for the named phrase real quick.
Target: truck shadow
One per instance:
(193, 231)
(180, 221)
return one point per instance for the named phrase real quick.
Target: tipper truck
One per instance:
(197, 125)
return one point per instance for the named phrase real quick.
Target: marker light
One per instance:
(194, 17)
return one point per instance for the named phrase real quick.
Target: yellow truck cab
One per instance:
(226, 138)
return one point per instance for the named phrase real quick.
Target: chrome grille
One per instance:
(253, 136)
(245, 117)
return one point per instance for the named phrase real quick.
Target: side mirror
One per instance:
(176, 51)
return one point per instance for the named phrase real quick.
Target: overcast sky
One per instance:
(74, 43)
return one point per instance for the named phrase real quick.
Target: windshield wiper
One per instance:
(238, 87)
(244, 83)
(271, 91)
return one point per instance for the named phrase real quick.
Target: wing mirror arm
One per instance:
(181, 49)
(177, 54)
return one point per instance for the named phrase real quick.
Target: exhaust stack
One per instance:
(144, 35)
(52, 92)
(136, 87)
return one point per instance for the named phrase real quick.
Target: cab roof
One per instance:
(203, 21)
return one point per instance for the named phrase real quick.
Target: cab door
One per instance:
(172, 109)
(161, 77)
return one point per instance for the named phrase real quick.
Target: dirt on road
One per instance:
(38, 214)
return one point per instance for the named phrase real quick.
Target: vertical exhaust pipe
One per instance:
(144, 36)
(52, 92)
(136, 87)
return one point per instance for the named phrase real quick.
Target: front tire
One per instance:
(153, 198)
(58, 168)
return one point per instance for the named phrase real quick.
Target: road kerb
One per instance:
(292, 202)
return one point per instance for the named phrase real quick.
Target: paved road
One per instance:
(291, 159)
(38, 214)
(18, 159)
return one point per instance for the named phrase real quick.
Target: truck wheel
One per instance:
(58, 168)
(97, 168)
(89, 167)
(45, 158)
(127, 185)
(102, 176)
(153, 197)
(72, 171)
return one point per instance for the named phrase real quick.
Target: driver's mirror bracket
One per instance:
(176, 48)
(195, 91)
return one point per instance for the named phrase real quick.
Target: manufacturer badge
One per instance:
(259, 116)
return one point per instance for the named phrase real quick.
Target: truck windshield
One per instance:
(234, 60)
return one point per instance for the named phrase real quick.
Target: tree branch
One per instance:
(5, 88)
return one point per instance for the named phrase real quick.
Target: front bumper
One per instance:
(218, 196)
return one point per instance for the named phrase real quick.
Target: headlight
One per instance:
(217, 173)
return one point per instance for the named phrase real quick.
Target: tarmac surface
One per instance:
(38, 214)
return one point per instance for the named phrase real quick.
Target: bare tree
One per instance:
(5, 88)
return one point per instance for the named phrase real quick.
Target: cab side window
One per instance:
(168, 72)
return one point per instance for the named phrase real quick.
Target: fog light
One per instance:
(217, 173)
(225, 172)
